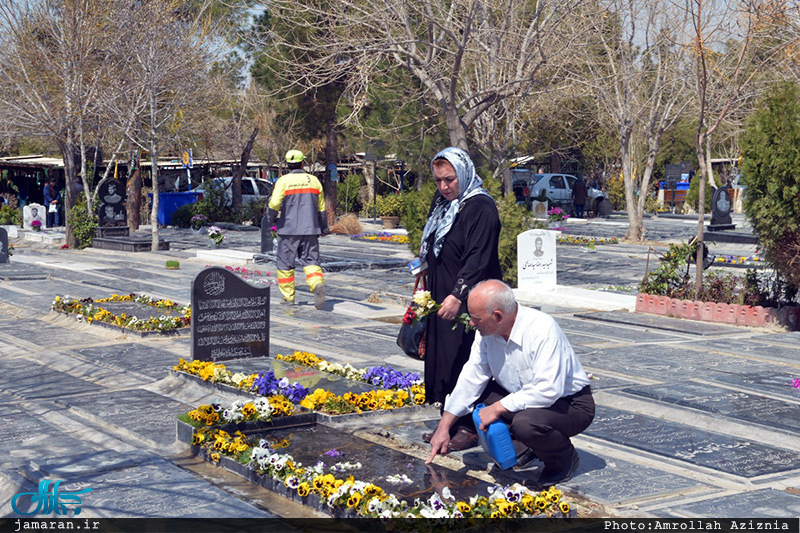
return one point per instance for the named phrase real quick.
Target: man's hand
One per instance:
(450, 307)
(489, 414)
(440, 443)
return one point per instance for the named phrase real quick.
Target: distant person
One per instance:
(459, 247)
(300, 199)
(52, 199)
(524, 369)
(579, 197)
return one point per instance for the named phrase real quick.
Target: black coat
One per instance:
(468, 255)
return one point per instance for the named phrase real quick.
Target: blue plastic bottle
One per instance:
(496, 440)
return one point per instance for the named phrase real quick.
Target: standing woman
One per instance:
(459, 245)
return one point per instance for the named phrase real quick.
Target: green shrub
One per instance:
(671, 278)
(182, 216)
(254, 211)
(415, 213)
(82, 223)
(10, 216)
(347, 193)
(692, 196)
(213, 203)
(770, 163)
(390, 205)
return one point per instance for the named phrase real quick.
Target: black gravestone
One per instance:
(230, 317)
(3, 246)
(721, 210)
(266, 236)
(112, 203)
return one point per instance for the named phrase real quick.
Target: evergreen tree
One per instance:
(771, 172)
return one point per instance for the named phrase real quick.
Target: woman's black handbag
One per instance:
(411, 338)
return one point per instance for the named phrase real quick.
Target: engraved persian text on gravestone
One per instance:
(230, 317)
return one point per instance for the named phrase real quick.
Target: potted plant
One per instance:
(216, 236)
(198, 222)
(390, 207)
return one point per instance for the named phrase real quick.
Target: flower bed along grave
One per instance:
(381, 236)
(130, 312)
(399, 390)
(261, 461)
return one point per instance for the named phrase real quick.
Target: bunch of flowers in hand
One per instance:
(557, 215)
(198, 221)
(422, 305)
(215, 234)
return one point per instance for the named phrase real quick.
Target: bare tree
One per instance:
(732, 43)
(51, 74)
(166, 50)
(637, 74)
(468, 55)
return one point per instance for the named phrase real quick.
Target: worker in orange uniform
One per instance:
(299, 197)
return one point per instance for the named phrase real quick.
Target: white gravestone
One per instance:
(33, 212)
(536, 260)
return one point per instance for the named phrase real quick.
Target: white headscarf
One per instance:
(444, 212)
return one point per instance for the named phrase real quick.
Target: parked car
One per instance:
(252, 189)
(556, 187)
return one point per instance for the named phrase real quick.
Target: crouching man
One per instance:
(524, 369)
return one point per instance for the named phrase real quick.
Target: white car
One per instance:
(252, 189)
(557, 188)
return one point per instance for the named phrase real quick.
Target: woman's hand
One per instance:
(450, 307)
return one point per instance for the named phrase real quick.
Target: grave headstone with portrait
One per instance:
(721, 205)
(536, 260)
(112, 213)
(33, 212)
(230, 317)
(3, 246)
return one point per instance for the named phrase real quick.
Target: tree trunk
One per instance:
(241, 169)
(331, 158)
(369, 176)
(635, 228)
(709, 170)
(701, 207)
(67, 149)
(154, 205)
(133, 191)
(456, 128)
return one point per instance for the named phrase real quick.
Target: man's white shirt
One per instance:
(537, 366)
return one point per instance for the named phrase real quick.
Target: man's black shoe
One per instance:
(463, 440)
(426, 437)
(525, 458)
(551, 478)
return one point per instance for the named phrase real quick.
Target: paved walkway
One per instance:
(693, 420)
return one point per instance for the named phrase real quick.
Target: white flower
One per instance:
(374, 505)
(283, 383)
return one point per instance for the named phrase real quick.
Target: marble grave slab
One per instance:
(703, 448)
(726, 402)
(139, 485)
(763, 503)
(30, 380)
(746, 347)
(345, 340)
(604, 331)
(153, 361)
(145, 413)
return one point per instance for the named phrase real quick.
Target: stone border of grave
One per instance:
(177, 332)
(741, 315)
(185, 431)
(320, 417)
(312, 500)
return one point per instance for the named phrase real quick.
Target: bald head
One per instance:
(492, 308)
